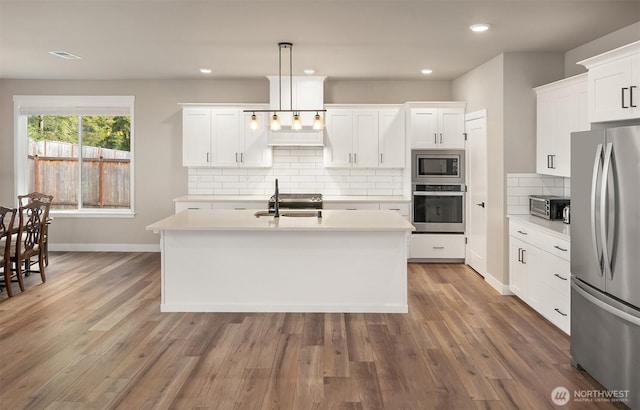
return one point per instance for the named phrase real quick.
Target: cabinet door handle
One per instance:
(522, 233)
(559, 248)
(519, 254)
(349, 158)
(631, 104)
(622, 93)
(236, 157)
(438, 247)
(242, 157)
(548, 161)
(524, 262)
(381, 158)
(440, 138)
(559, 276)
(207, 157)
(435, 138)
(355, 158)
(559, 311)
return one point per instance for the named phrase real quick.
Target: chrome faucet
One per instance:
(276, 204)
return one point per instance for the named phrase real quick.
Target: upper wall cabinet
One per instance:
(438, 125)
(614, 84)
(364, 137)
(561, 110)
(219, 136)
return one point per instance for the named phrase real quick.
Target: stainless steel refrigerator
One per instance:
(605, 258)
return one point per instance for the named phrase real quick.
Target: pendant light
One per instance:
(254, 122)
(317, 122)
(296, 123)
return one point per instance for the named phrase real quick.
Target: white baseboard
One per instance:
(497, 285)
(103, 247)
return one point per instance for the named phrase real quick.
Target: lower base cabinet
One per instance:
(539, 272)
(437, 246)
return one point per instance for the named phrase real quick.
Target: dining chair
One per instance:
(28, 243)
(7, 217)
(48, 199)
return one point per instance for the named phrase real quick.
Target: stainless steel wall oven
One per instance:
(438, 208)
(438, 188)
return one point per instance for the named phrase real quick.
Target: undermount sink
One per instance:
(290, 214)
(306, 214)
(263, 213)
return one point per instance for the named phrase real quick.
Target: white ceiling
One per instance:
(376, 39)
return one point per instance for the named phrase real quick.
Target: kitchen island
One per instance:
(234, 261)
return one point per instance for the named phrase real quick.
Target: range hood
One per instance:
(308, 94)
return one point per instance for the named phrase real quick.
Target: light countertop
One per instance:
(557, 228)
(265, 198)
(244, 220)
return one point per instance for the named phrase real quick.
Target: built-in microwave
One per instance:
(437, 166)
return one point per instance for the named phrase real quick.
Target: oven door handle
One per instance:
(437, 193)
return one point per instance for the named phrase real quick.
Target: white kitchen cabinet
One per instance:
(561, 110)
(436, 125)
(370, 137)
(539, 272)
(614, 84)
(220, 137)
(352, 206)
(196, 137)
(437, 246)
(184, 205)
(391, 136)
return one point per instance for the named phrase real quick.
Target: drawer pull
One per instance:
(394, 209)
(560, 249)
(522, 233)
(438, 247)
(559, 277)
(559, 311)
(352, 209)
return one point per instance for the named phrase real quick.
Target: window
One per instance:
(78, 149)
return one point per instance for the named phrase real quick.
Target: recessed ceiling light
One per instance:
(479, 28)
(426, 71)
(66, 55)
(205, 70)
(309, 71)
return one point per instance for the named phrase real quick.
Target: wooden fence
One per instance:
(105, 181)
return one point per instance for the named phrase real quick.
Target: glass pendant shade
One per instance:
(296, 124)
(254, 122)
(275, 123)
(317, 122)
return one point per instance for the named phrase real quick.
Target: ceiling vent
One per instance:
(66, 55)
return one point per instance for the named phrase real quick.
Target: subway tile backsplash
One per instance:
(299, 169)
(520, 186)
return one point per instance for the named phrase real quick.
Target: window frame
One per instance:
(26, 105)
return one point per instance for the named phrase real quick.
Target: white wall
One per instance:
(159, 174)
(503, 86)
(613, 40)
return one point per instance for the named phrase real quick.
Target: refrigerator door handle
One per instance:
(603, 209)
(594, 183)
(605, 306)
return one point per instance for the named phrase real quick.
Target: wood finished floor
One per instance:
(93, 337)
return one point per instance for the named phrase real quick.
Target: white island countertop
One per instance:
(262, 199)
(245, 220)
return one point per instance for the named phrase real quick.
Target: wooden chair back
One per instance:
(33, 217)
(7, 218)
